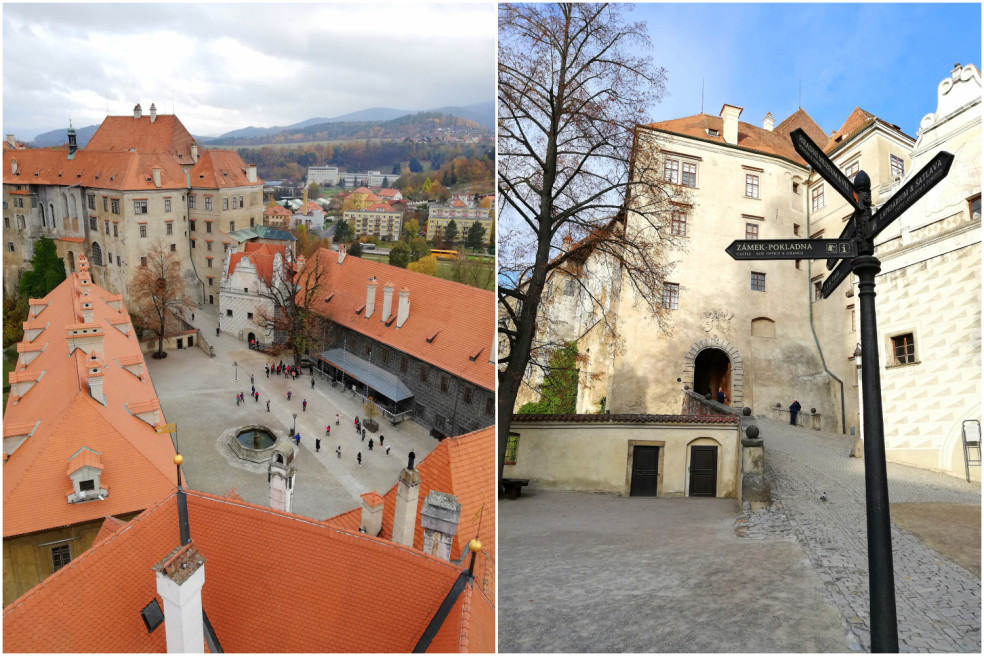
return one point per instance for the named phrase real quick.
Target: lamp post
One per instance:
(235, 366)
(293, 429)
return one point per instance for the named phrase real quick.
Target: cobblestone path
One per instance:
(938, 602)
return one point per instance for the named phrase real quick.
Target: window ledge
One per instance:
(900, 366)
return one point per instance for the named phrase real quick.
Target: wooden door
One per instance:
(645, 471)
(703, 471)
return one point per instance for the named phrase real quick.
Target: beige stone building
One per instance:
(140, 179)
(463, 211)
(758, 329)
(377, 220)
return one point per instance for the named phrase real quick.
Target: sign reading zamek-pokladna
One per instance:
(790, 249)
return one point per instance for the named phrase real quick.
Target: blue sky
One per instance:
(885, 58)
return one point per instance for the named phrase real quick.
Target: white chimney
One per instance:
(387, 302)
(13, 166)
(11, 141)
(94, 373)
(341, 253)
(405, 510)
(180, 578)
(194, 152)
(370, 297)
(157, 177)
(403, 309)
(87, 312)
(730, 114)
(153, 112)
(768, 122)
(137, 112)
(251, 173)
(372, 514)
(439, 519)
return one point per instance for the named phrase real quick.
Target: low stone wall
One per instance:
(804, 419)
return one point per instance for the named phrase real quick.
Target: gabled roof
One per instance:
(462, 317)
(166, 135)
(801, 120)
(137, 462)
(220, 169)
(277, 210)
(458, 466)
(857, 121)
(262, 257)
(274, 582)
(378, 207)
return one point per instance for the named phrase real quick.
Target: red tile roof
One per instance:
(220, 169)
(137, 462)
(261, 255)
(277, 210)
(750, 136)
(462, 317)
(460, 466)
(857, 121)
(378, 207)
(274, 582)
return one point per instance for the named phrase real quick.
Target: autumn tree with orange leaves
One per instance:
(157, 291)
(575, 81)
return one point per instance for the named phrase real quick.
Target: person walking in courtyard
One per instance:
(252, 389)
(387, 449)
(216, 331)
(381, 439)
(288, 395)
(251, 381)
(237, 399)
(268, 371)
(793, 411)
(312, 380)
(268, 405)
(337, 419)
(363, 434)
(370, 444)
(317, 445)
(359, 458)
(297, 438)
(304, 406)
(338, 452)
(256, 395)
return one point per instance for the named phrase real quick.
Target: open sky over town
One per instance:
(885, 58)
(229, 66)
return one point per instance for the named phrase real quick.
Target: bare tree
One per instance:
(573, 90)
(291, 292)
(157, 290)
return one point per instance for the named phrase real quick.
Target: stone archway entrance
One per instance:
(710, 363)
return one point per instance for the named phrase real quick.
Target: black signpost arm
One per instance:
(881, 575)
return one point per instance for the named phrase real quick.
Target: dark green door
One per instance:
(703, 471)
(645, 471)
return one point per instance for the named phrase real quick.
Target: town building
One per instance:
(373, 179)
(139, 180)
(79, 431)
(434, 362)
(277, 216)
(246, 295)
(376, 220)
(411, 570)
(759, 330)
(463, 211)
(323, 175)
(390, 195)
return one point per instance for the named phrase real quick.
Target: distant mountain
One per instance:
(482, 113)
(60, 137)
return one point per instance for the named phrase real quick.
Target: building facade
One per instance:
(323, 175)
(248, 280)
(376, 220)
(463, 211)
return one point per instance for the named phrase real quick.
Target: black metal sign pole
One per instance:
(881, 575)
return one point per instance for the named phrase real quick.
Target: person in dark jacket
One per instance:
(793, 411)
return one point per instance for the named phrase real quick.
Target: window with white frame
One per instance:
(751, 186)
(678, 223)
(167, 204)
(671, 171)
(897, 165)
(689, 178)
(671, 295)
(751, 231)
(816, 197)
(139, 207)
(852, 169)
(143, 230)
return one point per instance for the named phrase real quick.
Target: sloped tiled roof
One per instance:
(378, 207)
(628, 418)
(461, 466)
(220, 169)
(137, 467)
(165, 135)
(337, 591)
(261, 255)
(462, 317)
(801, 120)
(277, 210)
(857, 121)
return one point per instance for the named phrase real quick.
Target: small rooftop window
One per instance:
(711, 132)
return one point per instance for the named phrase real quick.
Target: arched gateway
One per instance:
(710, 363)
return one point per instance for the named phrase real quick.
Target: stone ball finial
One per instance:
(752, 432)
(746, 411)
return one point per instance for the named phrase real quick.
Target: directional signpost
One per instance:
(856, 251)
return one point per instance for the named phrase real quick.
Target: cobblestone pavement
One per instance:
(938, 602)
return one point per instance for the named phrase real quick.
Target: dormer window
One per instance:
(85, 471)
(711, 132)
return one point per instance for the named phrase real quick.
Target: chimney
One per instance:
(194, 152)
(370, 297)
(137, 112)
(405, 511)
(439, 519)
(403, 309)
(11, 141)
(768, 122)
(87, 312)
(180, 577)
(341, 253)
(372, 514)
(387, 302)
(251, 173)
(153, 112)
(94, 373)
(13, 167)
(157, 177)
(730, 114)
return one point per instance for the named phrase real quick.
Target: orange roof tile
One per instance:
(277, 210)
(137, 462)
(220, 169)
(85, 457)
(750, 136)
(379, 596)
(464, 315)
(261, 255)
(855, 122)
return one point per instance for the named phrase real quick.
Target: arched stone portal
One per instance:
(713, 362)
